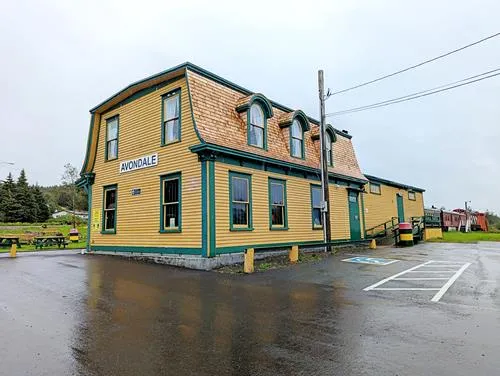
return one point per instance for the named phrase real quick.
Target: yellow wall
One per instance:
(138, 217)
(433, 233)
(381, 208)
(298, 207)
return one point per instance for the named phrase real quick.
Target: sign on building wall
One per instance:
(139, 163)
(96, 219)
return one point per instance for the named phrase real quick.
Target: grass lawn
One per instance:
(469, 237)
(23, 229)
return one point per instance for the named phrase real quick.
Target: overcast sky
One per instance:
(60, 58)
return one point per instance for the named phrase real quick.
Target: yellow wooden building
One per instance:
(186, 162)
(385, 199)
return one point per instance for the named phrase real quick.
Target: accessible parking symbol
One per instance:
(370, 260)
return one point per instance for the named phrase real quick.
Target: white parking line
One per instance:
(448, 284)
(422, 269)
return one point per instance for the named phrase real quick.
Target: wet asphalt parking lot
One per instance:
(68, 314)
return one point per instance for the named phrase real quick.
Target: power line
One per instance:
(419, 94)
(416, 65)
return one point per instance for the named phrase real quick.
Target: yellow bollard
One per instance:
(293, 255)
(373, 244)
(13, 250)
(248, 264)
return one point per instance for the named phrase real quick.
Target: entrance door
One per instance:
(354, 216)
(401, 209)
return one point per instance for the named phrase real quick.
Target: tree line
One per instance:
(22, 202)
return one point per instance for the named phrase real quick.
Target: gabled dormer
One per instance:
(295, 124)
(258, 110)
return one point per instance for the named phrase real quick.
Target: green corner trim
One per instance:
(211, 198)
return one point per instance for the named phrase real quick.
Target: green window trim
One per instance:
(174, 176)
(105, 189)
(106, 149)
(375, 185)
(172, 93)
(265, 115)
(284, 226)
(316, 227)
(329, 142)
(249, 225)
(302, 141)
(412, 194)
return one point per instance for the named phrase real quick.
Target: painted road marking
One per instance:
(448, 284)
(440, 290)
(370, 260)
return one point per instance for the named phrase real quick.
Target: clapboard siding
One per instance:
(138, 217)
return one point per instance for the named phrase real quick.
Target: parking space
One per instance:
(427, 310)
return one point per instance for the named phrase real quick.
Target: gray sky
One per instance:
(60, 58)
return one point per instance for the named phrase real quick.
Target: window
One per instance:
(297, 140)
(257, 127)
(171, 121)
(317, 218)
(375, 188)
(240, 193)
(170, 217)
(412, 196)
(112, 138)
(329, 148)
(109, 210)
(277, 205)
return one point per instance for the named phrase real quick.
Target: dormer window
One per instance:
(297, 140)
(329, 148)
(256, 126)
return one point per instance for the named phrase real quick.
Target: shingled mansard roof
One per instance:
(218, 109)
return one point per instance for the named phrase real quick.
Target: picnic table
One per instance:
(52, 240)
(6, 241)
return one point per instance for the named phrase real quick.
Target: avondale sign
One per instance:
(139, 163)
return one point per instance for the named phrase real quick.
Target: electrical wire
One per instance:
(415, 66)
(419, 94)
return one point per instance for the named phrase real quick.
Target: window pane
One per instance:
(317, 218)
(256, 116)
(110, 220)
(328, 145)
(110, 199)
(296, 148)
(240, 189)
(278, 215)
(277, 195)
(296, 130)
(316, 197)
(112, 129)
(171, 215)
(256, 136)
(172, 131)
(374, 188)
(112, 149)
(172, 107)
(171, 191)
(240, 214)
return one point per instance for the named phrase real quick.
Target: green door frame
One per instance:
(400, 206)
(354, 220)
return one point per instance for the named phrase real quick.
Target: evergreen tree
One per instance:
(12, 209)
(43, 212)
(24, 196)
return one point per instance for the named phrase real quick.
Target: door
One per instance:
(401, 209)
(354, 215)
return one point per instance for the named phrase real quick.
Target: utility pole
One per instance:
(467, 217)
(325, 204)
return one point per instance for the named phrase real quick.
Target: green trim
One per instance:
(333, 138)
(393, 183)
(300, 116)
(108, 120)
(375, 185)
(362, 195)
(204, 212)
(264, 141)
(211, 197)
(302, 144)
(261, 100)
(176, 92)
(286, 168)
(285, 219)
(178, 176)
(191, 107)
(312, 186)
(139, 249)
(241, 175)
(103, 219)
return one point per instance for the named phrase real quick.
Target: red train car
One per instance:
(452, 220)
(478, 221)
